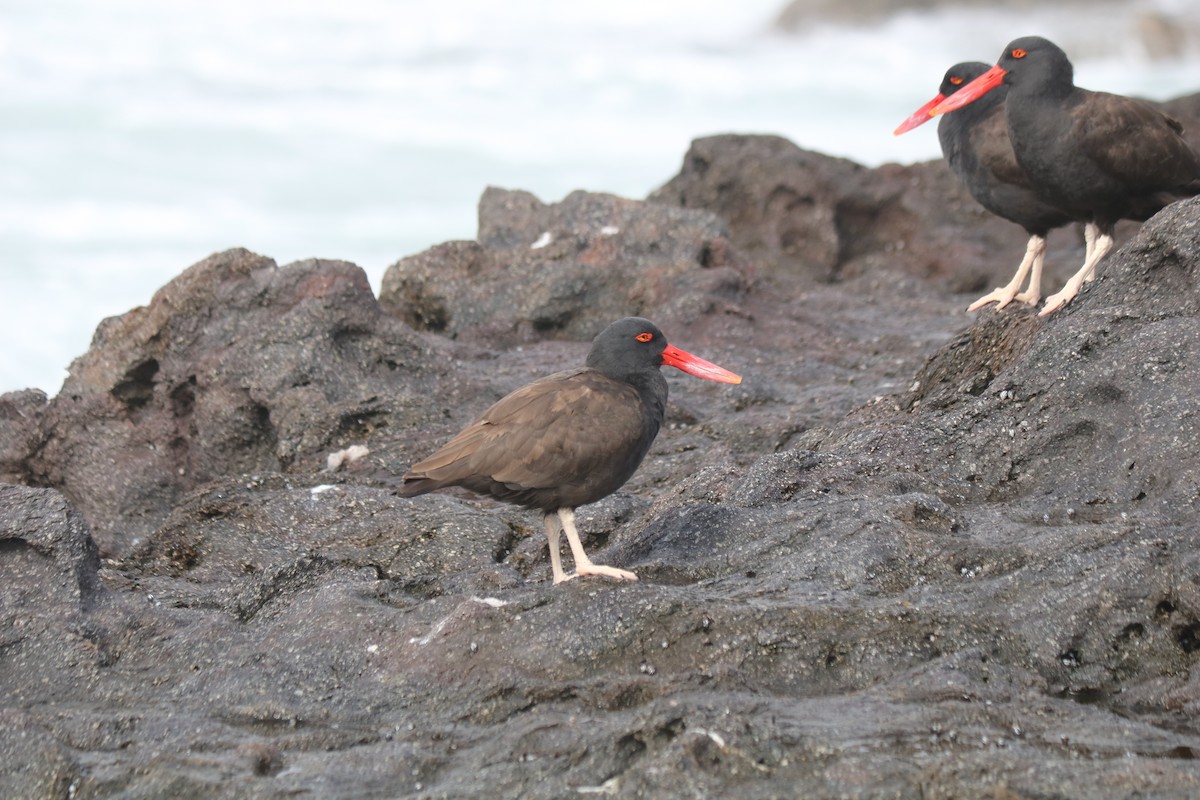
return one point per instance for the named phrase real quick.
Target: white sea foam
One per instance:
(140, 137)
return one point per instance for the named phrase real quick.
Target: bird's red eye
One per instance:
(644, 337)
(957, 81)
(1019, 53)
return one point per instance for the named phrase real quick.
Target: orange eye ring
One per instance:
(1019, 53)
(644, 337)
(957, 81)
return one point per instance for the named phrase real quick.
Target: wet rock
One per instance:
(20, 428)
(236, 366)
(916, 554)
(1091, 406)
(47, 553)
(799, 212)
(36, 765)
(567, 269)
(50, 599)
(242, 544)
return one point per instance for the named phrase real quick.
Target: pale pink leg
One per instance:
(583, 564)
(1090, 231)
(1035, 253)
(552, 531)
(1103, 243)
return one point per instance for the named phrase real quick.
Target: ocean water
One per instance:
(136, 137)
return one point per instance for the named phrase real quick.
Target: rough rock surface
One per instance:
(566, 269)
(917, 554)
(236, 366)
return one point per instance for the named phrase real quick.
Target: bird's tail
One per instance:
(416, 485)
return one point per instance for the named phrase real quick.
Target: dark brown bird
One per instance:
(976, 146)
(570, 438)
(1100, 157)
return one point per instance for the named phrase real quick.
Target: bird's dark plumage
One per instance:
(977, 148)
(533, 449)
(1099, 157)
(975, 143)
(568, 439)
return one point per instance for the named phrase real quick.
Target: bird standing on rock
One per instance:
(570, 438)
(976, 146)
(1100, 157)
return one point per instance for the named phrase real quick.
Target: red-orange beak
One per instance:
(919, 117)
(694, 365)
(972, 91)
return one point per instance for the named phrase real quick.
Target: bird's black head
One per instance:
(1031, 66)
(960, 75)
(956, 77)
(633, 347)
(1035, 61)
(627, 347)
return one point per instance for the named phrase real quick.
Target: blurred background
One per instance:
(138, 137)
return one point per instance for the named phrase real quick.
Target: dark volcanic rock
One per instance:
(567, 270)
(51, 556)
(20, 432)
(1094, 410)
(798, 212)
(916, 554)
(236, 366)
(36, 765)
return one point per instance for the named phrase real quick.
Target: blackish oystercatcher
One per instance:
(570, 438)
(975, 144)
(1100, 157)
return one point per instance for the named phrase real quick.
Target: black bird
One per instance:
(975, 144)
(1100, 157)
(570, 438)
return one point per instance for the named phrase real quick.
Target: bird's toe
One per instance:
(1001, 297)
(981, 302)
(608, 572)
(1053, 303)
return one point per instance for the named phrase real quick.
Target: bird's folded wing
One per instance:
(569, 422)
(1135, 143)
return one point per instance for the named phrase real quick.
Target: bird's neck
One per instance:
(1036, 117)
(1053, 83)
(1050, 93)
(651, 388)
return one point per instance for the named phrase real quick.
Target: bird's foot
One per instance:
(1029, 298)
(1001, 297)
(608, 572)
(1056, 301)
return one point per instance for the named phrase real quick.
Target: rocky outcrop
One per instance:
(567, 270)
(51, 554)
(237, 366)
(799, 212)
(915, 554)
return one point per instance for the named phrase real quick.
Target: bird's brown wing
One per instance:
(1134, 143)
(553, 431)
